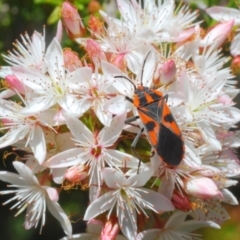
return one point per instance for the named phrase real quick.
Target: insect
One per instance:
(160, 126)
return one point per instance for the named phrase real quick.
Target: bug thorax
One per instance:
(144, 96)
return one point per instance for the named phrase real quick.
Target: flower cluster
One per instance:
(75, 118)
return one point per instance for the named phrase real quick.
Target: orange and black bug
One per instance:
(160, 126)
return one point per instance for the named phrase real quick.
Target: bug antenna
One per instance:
(144, 62)
(128, 80)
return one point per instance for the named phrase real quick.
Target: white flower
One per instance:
(55, 143)
(177, 227)
(172, 178)
(211, 211)
(34, 197)
(201, 106)
(123, 44)
(94, 91)
(27, 127)
(30, 53)
(129, 198)
(54, 87)
(226, 159)
(94, 151)
(155, 23)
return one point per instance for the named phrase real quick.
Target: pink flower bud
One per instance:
(76, 174)
(185, 34)
(94, 51)
(165, 73)
(6, 121)
(118, 61)
(72, 21)
(71, 60)
(14, 83)
(202, 187)
(181, 202)
(218, 34)
(110, 230)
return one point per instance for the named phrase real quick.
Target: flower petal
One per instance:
(100, 205)
(56, 210)
(79, 130)
(38, 144)
(109, 135)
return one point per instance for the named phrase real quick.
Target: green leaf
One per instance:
(79, 5)
(53, 2)
(54, 16)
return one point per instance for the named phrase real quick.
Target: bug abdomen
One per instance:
(170, 146)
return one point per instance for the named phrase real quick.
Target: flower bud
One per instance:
(14, 83)
(76, 174)
(218, 34)
(110, 230)
(181, 202)
(165, 73)
(72, 21)
(94, 51)
(71, 60)
(118, 61)
(202, 187)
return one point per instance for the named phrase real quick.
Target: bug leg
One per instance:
(129, 99)
(165, 97)
(130, 120)
(135, 141)
(133, 146)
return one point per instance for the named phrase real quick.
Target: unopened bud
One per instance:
(218, 34)
(165, 73)
(110, 230)
(181, 202)
(76, 174)
(94, 51)
(71, 60)
(14, 83)
(72, 21)
(118, 61)
(202, 187)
